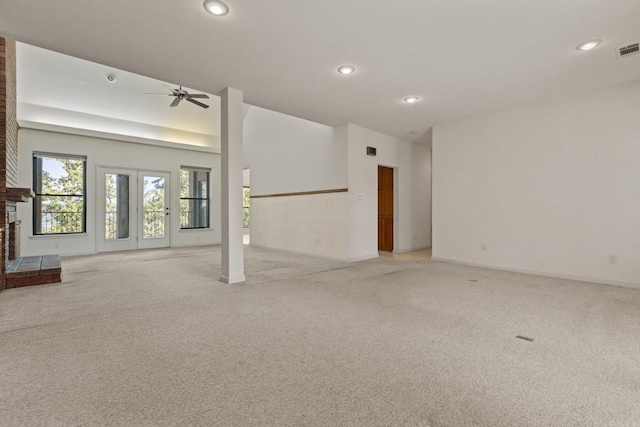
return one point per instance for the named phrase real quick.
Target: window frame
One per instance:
(207, 199)
(37, 216)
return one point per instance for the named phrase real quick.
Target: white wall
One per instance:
(412, 192)
(104, 152)
(313, 224)
(290, 155)
(287, 154)
(551, 188)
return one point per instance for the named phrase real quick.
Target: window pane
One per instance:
(184, 183)
(193, 184)
(194, 213)
(61, 176)
(246, 198)
(117, 207)
(201, 180)
(60, 214)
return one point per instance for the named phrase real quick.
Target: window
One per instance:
(60, 197)
(194, 198)
(246, 198)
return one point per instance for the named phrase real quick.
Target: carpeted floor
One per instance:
(151, 338)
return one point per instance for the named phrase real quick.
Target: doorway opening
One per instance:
(385, 209)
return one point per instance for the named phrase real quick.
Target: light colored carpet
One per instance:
(151, 338)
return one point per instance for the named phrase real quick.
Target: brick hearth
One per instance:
(33, 270)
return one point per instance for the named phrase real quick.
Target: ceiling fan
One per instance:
(181, 94)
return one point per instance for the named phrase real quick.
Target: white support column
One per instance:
(232, 163)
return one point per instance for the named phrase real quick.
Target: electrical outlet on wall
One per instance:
(57, 245)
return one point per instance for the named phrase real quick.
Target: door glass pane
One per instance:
(116, 223)
(153, 206)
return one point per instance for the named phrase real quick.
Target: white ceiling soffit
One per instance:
(462, 57)
(65, 91)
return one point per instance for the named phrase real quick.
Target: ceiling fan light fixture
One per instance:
(181, 94)
(589, 45)
(216, 7)
(346, 69)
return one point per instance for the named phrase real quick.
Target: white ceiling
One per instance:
(62, 90)
(462, 57)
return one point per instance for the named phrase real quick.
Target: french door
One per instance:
(153, 210)
(133, 209)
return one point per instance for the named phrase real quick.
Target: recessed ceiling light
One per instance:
(216, 7)
(411, 99)
(589, 45)
(346, 69)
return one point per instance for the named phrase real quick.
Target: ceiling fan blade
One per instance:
(175, 102)
(155, 93)
(170, 88)
(198, 95)
(197, 103)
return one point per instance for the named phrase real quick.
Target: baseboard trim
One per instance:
(404, 251)
(289, 251)
(364, 257)
(542, 273)
(234, 281)
(355, 259)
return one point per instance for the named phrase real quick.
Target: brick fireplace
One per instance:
(8, 146)
(14, 271)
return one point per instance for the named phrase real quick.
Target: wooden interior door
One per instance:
(385, 208)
